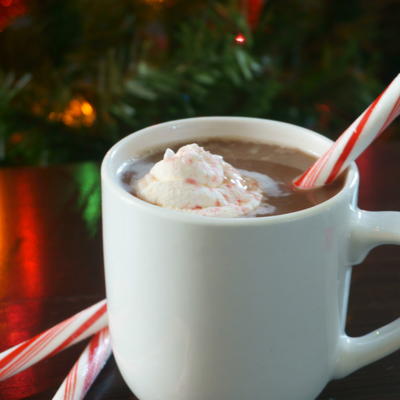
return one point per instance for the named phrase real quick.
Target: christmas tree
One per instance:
(76, 76)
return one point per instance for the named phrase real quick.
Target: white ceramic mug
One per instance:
(204, 308)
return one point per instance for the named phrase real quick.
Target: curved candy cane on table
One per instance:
(46, 344)
(86, 369)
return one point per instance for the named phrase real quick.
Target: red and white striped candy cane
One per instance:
(46, 344)
(354, 140)
(86, 369)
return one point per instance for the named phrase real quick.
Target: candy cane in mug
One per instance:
(354, 140)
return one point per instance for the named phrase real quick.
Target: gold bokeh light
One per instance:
(79, 112)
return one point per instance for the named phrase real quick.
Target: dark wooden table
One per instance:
(51, 267)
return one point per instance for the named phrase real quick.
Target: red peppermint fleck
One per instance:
(197, 207)
(191, 181)
(218, 203)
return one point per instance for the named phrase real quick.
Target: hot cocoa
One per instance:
(272, 167)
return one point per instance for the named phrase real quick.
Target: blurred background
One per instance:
(77, 75)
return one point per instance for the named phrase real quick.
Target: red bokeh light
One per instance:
(9, 10)
(240, 38)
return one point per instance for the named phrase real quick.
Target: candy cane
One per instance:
(86, 369)
(354, 140)
(46, 344)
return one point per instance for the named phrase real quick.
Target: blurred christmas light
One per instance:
(323, 107)
(9, 10)
(253, 10)
(87, 178)
(325, 114)
(16, 138)
(87, 108)
(79, 112)
(240, 38)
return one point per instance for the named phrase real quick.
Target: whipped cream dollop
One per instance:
(197, 181)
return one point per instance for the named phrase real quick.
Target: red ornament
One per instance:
(9, 10)
(253, 10)
(240, 38)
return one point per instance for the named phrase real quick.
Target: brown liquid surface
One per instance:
(275, 167)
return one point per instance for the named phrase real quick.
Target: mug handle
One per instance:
(368, 230)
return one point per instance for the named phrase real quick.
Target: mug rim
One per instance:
(108, 178)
